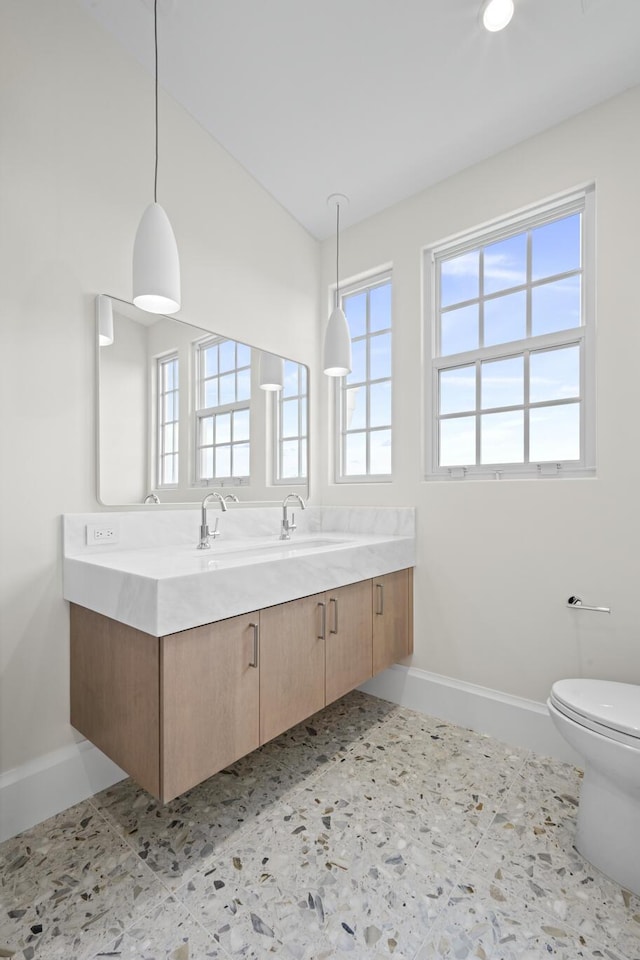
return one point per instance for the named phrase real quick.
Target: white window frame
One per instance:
(160, 365)
(202, 413)
(342, 385)
(302, 435)
(583, 201)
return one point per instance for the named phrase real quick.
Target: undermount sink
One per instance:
(223, 550)
(222, 555)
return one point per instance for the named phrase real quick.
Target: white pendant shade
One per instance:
(496, 14)
(104, 314)
(271, 371)
(156, 265)
(337, 345)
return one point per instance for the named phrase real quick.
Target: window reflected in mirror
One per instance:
(223, 411)
(291, 421)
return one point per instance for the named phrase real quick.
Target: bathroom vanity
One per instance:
(267, 633)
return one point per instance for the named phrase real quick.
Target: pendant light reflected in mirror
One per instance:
(156, 265)
(271, 371)
(337, 339)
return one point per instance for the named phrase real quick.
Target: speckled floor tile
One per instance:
(531, 842)
(257, 782)
(169, 932)
(369, 831)
(420, 766)
(328, 871)
(484, 920)
(176, 839)
(358, 715)
(454, 823)
(240, 903)
(551, 782)
(405, 724)
(317, 877)
(64, 882)
(377, 914)
(325, 739)
(468, 760)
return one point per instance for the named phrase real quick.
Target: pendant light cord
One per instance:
(337, 254)
(155, 36)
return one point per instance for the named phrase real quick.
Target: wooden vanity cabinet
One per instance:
(291, 664)
(174, 710)
(348, 639)
(392, 618)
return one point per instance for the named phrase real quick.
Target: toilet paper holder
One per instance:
(575, 603)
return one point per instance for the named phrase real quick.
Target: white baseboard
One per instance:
(514, 720)
(37, 790)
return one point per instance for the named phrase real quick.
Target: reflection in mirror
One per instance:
(180, 412)
(271, 371)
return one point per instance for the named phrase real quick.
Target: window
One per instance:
(223, 399)
(364, 396)
(167, 420)
(291, 425)
(511, 364)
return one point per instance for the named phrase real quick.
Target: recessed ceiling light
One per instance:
(496, 14)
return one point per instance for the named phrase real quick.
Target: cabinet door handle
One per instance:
(335, 615)
(323, 620)
(379, 599)
(256, 643)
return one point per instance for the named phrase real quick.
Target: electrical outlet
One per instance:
(101, 533)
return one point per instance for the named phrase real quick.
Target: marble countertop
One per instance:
(168, 588)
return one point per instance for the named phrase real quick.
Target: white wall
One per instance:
(76, 172)
(497, 560)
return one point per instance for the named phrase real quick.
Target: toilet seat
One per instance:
(609, 708)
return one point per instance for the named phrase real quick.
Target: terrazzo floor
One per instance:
(369, 831)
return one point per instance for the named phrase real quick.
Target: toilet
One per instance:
(600, 719)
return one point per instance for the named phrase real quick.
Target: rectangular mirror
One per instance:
(181, 412)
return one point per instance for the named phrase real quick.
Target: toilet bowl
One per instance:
(600, 719)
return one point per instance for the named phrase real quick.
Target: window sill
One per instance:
(379, 478)
(565, 473)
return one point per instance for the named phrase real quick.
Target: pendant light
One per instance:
(337, 339)
(104, 316)
(496, 14)
(271, 371)
(156, 266)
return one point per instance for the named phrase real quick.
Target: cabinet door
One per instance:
(392, 632)
(210, 698)
(348, 643)
(291, 664)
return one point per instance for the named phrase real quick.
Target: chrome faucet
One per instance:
(205, 533)
(151, 498)
(288, 526)
(231, 497)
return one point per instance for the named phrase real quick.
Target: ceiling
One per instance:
(375, 99)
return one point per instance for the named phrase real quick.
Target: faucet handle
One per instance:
(215, 532)
(292, 525)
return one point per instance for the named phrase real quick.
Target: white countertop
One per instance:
(163, 589)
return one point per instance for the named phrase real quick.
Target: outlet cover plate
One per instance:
(101, 534)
